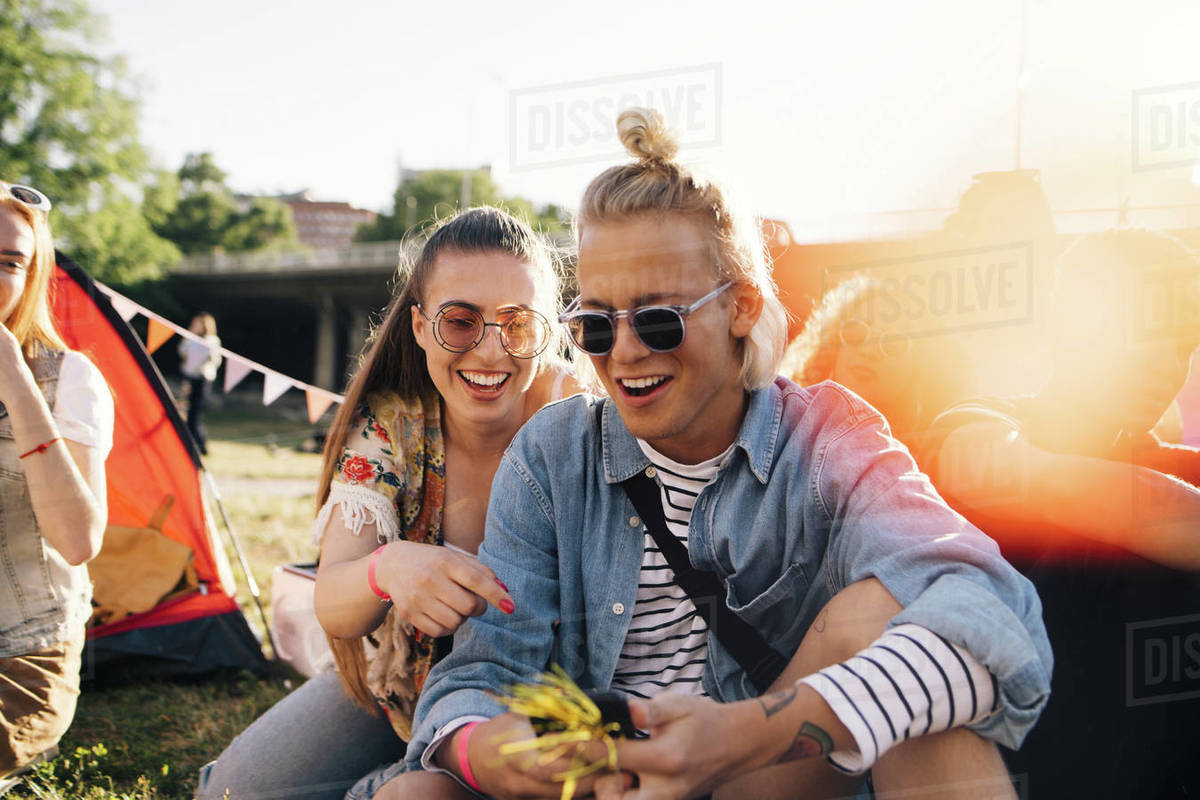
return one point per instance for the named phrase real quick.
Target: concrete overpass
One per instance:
(305, 313)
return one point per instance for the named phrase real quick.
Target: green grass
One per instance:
(147, 740)
(262, 443)
(274, 425)
(258, 461)
(272, 531)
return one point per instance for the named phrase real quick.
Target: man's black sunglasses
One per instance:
(660, 328)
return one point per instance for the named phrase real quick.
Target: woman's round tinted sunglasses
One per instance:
(28, 195)
(458, 327)
(855, 332)
(660, 328)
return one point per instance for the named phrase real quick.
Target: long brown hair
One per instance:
(30, 322)
(392, 360)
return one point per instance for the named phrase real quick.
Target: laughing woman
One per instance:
(56, 420)
(463, 358)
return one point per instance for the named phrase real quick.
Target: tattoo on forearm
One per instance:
(772, 704)
(810, 742)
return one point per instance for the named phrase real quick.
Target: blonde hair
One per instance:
(942, 373)
(657, 184)
(811, 357)
(30, 322)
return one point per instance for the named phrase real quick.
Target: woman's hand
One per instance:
(13, 369)
(435, 589)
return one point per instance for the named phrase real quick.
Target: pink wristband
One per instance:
(387, 598)
(464, 765)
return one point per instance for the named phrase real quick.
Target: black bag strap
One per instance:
(761, 662)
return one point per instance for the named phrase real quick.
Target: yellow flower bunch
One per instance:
(566, 721)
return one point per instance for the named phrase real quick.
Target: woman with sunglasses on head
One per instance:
(56, 421)
(464, 356)
(905, 367)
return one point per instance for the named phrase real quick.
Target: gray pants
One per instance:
(314, 744)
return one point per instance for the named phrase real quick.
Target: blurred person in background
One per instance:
(1080, 457)
(201, 359)
(907, 369)
(56, 424)
(1099, 513)
(464, 356)
(911, 350)
(1005, 214)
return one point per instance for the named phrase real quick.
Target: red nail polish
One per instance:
(502, 586)
(507, 606)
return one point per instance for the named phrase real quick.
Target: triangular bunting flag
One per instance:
(157, 335)
(274, 385)
(235, 370)
(124, 307)
(318, 401)
(159, 332)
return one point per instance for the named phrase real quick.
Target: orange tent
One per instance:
(153, 458)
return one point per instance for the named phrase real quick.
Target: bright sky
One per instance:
(825, 114)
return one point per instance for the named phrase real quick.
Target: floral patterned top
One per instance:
(392, 473)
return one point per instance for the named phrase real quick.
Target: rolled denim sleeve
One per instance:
(496, 649)
(887, 521)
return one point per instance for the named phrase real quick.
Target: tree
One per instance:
(68, 125)
(427, 195)
(199, 213)
(266, 223)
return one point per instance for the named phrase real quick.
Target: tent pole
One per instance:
(237, 548)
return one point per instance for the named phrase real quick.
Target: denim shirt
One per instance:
(815, 496)
(43, 599)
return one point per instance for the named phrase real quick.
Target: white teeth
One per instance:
(642, 383)
(484, 379)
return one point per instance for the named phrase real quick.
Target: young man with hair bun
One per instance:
(909, 646)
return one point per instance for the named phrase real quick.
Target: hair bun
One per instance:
(644, 133)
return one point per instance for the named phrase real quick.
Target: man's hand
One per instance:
(697, 744)
(694, 745)
(519, 775)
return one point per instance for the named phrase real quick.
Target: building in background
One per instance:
(325, 224)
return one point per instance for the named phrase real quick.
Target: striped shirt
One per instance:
(910, 682)
(667, 642)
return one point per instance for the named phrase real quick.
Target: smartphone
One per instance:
(613, 708)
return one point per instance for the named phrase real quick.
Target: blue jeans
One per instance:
(314, 744)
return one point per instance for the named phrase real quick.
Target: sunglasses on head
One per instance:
(458, 327)
(660, 328)
(28, 195)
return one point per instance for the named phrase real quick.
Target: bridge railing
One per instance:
(370, 255)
